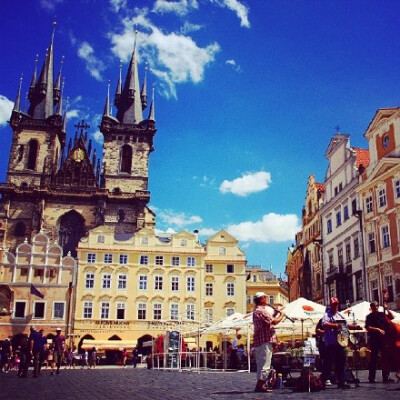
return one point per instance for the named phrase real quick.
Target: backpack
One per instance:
(309, 382)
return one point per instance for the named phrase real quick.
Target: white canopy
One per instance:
(360, 311)
(302, 309)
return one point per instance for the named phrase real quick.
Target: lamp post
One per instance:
(319, 243)
(358, 214)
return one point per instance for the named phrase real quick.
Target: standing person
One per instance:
(135, 357)
(234, 356)
(335, 353)
(36, 341)
(92, 358)
(264, 337)
(25, 359)
(124, 358)
(377, 327)
(59, 345)
(320, 339)
(6, 353)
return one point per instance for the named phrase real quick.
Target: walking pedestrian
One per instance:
(36, 341)
(59, 344)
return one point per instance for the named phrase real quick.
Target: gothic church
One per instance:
(64, 189)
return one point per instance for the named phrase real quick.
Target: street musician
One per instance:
(336, 334)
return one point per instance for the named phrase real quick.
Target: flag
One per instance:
(36, 292)
(70, 288)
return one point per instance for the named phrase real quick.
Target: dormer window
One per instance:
(100, 239)
(385, 141)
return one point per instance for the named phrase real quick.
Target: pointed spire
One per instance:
(69, 146)
(57, 86)
(130, 104)
(64, 128)
(18, 98)
(59, 105)
(118, 89)
(42, 101)
(106, 112)
(33, 81)
(152, 115)
(90, 147)
(143, 92)
(94, 158)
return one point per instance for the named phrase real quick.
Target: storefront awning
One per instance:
(109, 344)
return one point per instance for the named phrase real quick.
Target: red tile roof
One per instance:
(320, 186)
(362, 157)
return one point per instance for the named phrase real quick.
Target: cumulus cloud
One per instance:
(181, 7)
(6, 107)
(238, 8)
(98, 137)
(189, 27)
(117, 5)
(178, 219)
(272, 228)
(73, 113)
(95, 66)
(174, 58)
(247, 183)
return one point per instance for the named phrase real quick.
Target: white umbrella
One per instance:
(360, 311)
(302, 309)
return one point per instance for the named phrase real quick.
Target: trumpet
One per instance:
(280, 312)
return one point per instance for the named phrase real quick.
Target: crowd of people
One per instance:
(42, 353)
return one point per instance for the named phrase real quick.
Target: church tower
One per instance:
(65, 190)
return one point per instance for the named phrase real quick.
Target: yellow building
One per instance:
(35, 270)
(135, 287)
(262, 280)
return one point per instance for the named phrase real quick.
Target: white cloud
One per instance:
(247, 183)
(207, 232)
(73, 113)
(235, 66)
(189, 27)
(117, 5)
(98, 137)
(93, 64)
(237, 7)
(174, 58)
(6, 107)
(177, 219)
(181, 7)
(50, 5)
(272, 228)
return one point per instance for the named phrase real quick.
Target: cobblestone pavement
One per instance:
(143, 384)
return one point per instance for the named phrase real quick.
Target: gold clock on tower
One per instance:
(78, 155)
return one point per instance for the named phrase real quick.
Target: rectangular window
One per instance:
(346, 212)
(159, 260)
(371, 242)
(330, 260)
(142, 282)
(209, 268)
(374, 290)
(382, 197)
(208, 314)
(368, 204)
(38, 272)
(120, 310)
(58, 310)
(108, 258)
(340, 258)
(389, 288)
(230, 289)
(190, 283)
(359, 286)
(144, 260)
(89, 281)
(222, 251)
(209, 289)
(385, 236)
(104, 310)
(157, 311)
(183, 242)
(174, 283)
(190, 311)
(176, 261)
(348, 252)
(356, 248)
(174, 311)
(91, 257)
(397, 188)
(329, 226)
(87, 309)
(158, 283)
(142, 311)
(338, 218)
(106, 281)
(271, 299)
(230, 269)
(19, 309)
(123, 258)
(122, 281)
(230, 311)
(191, 261)
(38, 309)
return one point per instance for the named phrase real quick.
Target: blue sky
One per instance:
(248, 95)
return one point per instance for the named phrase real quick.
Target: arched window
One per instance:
(126, 159)
(71, 227)
(32, 154)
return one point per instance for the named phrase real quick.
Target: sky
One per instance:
(248, 94)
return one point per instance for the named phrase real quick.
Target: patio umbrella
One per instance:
(360, 311)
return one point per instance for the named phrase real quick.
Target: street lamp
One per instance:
(319, 243)
(358, 214)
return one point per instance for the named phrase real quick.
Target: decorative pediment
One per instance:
(122, 270)
(229, 278)
(184, 235)
(143, 270)
(105, 297)
(229, 304)
(337, 141)
(87, 297)
(384, 165)
(382, 116)
(157, 298)
(121, 298)
(106, 270)
(142, 297)
(222, 236)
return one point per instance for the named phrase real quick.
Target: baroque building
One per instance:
(379, 193)
(63, 189)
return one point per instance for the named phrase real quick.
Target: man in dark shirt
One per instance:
(59, 345)
(376, 326)
(36, 342)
